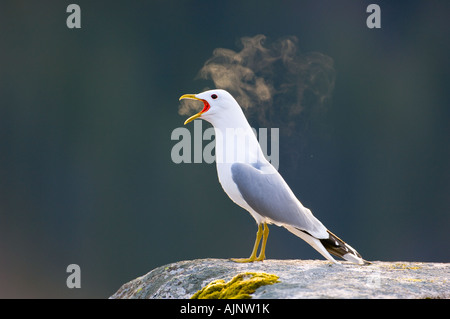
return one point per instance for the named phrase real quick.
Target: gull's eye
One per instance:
(214, 96)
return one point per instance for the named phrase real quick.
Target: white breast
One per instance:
(236, 146)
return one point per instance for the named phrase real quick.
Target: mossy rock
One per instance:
(297, 279)
(240, 287)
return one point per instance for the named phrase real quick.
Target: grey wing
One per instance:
(271, 197)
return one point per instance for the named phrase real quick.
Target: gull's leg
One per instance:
(262, 253)
(252, 257)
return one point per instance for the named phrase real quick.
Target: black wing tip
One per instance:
(336, 246)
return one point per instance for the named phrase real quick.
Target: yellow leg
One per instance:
(260, 234)
(262, 253)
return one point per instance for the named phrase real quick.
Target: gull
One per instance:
(251, 182)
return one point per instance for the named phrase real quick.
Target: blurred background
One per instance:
(86, 117)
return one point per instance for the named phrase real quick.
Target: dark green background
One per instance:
(86, 117)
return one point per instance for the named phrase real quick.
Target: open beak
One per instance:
(193, 97)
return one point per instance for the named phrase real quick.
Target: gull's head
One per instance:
(217, 104)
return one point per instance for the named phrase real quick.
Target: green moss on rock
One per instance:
(240, 286)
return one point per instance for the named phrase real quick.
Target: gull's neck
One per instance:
(236, 140)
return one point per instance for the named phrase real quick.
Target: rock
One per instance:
(297, 279)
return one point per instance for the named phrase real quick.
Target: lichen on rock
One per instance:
(240, 286)
(297, 279)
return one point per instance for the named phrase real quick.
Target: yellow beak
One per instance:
(192, 97)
